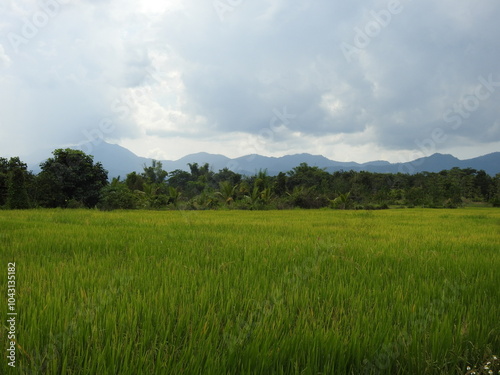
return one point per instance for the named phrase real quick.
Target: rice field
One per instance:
(409, 291)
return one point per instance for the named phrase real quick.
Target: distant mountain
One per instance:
(119, 162)
(437, 162)
(216, 161)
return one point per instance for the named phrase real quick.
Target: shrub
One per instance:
(117, 197)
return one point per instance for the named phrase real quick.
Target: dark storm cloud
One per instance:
(399, 71)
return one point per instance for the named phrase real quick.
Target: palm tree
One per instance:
(266, 195)
(342, 201)
(227, 191)
(253, 197)
(173, 195)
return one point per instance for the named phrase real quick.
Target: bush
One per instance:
(159, 201)
(496, 202)
(117, 197)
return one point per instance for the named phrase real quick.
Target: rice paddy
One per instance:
(410, 291)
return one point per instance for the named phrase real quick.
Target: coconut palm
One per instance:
(227, 191)
(342, 201)
(173, 195)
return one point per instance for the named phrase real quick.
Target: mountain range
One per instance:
(120, 161)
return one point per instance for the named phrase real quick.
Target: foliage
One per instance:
(17, 193)
(4, 181)
(64, 182)
(117, 196)
(13, 184)
(71, 175)
(155, 174)
(342, 202)
(227, 192)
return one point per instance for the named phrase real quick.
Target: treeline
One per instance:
(71, 179)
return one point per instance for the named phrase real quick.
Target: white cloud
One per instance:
(5, 60)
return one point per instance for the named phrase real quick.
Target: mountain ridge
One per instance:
(119, 161)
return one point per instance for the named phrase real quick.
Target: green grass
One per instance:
(241, 292)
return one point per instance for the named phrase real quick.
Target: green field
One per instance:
(410, 291)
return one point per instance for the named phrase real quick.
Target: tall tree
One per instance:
(17, 194)
(71, 175)
(155, 173)
(4, 180)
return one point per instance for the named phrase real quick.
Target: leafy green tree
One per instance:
(17, 194)
(135, 181)
(280, 184)
(483, 183)
(495, 192)
(71, 175)
(179, 179)
(317, 179)
(415, 196)
(4, 181)
(155, 197)
(307, 197)
(227, 175)
(201, 179)
(155, 174)
(117, 196)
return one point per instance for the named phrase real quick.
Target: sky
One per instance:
(354, 81)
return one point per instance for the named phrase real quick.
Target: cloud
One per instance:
(152, 73)
(5, 60)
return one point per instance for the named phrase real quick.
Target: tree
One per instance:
(227, 191)
(310, 177)
(173, 196)
(135, 181)
(415, 196)
(17, 194)
(253, 197)
(201, 178)
(495, 193)
(280, 184)
(227, 175)
(117, 196)
(71, 176)
(266, 196)
(341, 202)
(262, 179)
(483, 182)
(155, 173)
(179, 179)
(4, 180)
